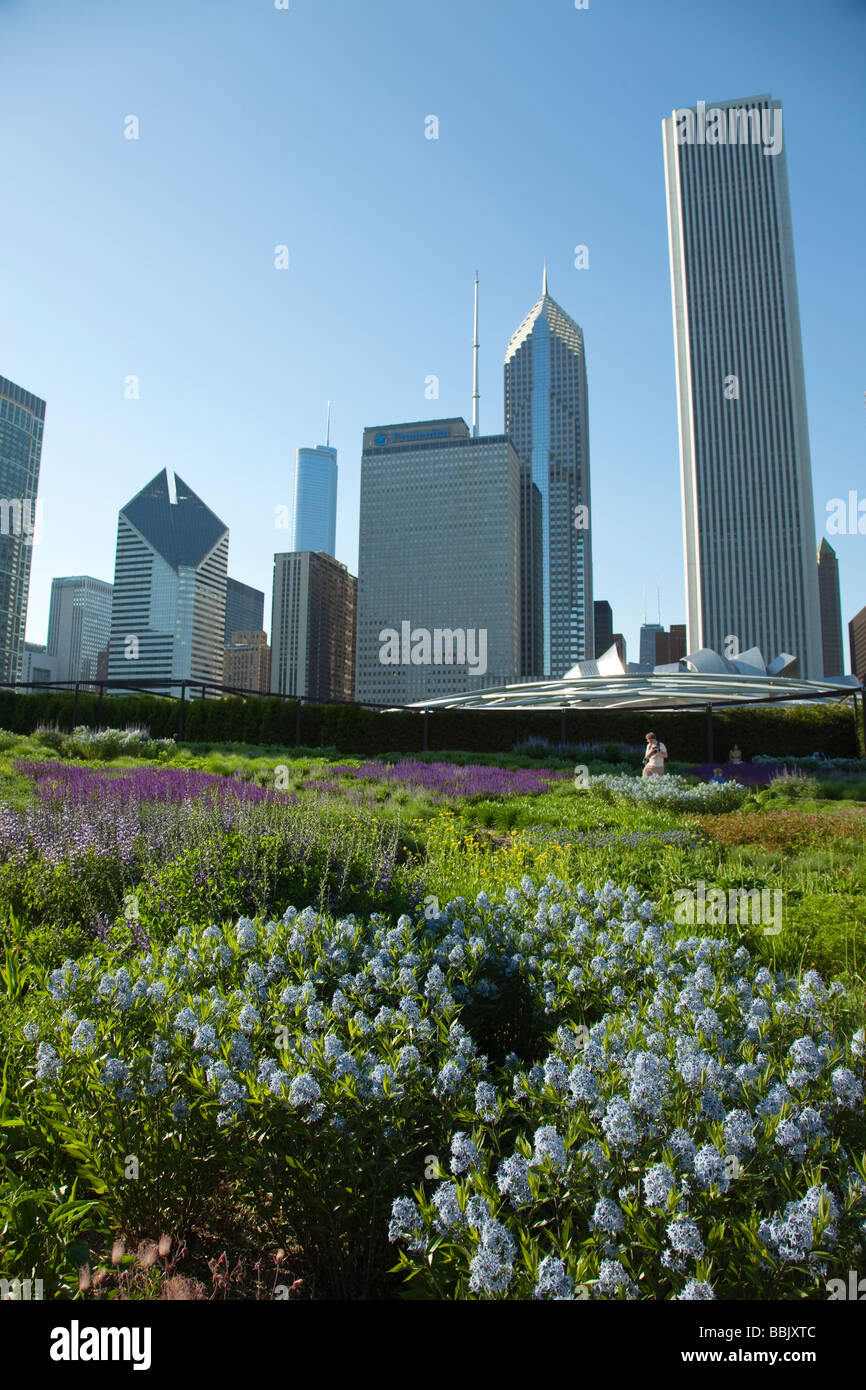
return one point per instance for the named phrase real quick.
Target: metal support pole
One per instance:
(182, 713)
(426, 729)
(710, 753)
(562, 727)
(298, 723)
(75, 705)
(99, 703)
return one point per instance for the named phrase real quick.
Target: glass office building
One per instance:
(79, 625)
(547, 419)
(315, 509)
(439, 562)
(245, 608)
(748, 511)
(169, 603)
(22, 417)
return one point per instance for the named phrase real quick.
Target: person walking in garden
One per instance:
(654, 757)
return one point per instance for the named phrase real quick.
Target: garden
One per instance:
(290, 1024)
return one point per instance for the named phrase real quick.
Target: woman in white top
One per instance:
(654, 757)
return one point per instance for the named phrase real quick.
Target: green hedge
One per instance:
(794, 730)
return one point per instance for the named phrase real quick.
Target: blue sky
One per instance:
(305, 127)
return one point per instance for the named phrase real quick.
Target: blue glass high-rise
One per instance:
(315, 509)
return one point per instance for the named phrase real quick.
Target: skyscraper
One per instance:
(79, 625)
(313, 627)
(547, 419)
(22, 417)
(603, 618)
(857, 640)
(439, 583)
(831, 610)
(744, 445)
(315, 509)
(168, 609)
(245, 608)
(647, 651)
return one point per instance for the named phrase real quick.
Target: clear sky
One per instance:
(305, 127)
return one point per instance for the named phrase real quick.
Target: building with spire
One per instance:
(831, 610)
(547, 420)
(169, 601)
(314, 518)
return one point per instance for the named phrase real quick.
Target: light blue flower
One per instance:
(406, 1224)
(658, 1183)
(492, 1266)
(47, 1063)
(512, 1179)
(607, 1216)
(695, 1290)
(305, 1090)
(548, 1144)
(248, 1018)
(553, 1282)
(446, 1200)
(685, 1237)
(84, 1037)
(464, 1154)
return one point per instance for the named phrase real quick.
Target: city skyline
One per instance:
(146, 362)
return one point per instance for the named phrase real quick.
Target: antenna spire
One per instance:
(475, 395)
(544, 280)
(328, 428)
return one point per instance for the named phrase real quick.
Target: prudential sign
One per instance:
(408, 436)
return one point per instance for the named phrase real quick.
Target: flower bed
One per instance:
(627, 1114)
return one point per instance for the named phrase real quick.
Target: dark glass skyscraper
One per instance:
(22, 417)
(831, 610)
(547, 420)
(245, 608)
(169, 602)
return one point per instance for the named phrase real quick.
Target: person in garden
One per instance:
(654, 757)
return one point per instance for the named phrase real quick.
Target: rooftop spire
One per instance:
(544, 280)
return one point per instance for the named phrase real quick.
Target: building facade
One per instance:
(603, 620)
(245, 608)
(748, 513)
(670, 646)
(857, 641)
(22, 419)
(38, 664)
(247, 664)
(79, 625)
(547, 419)
(313, 627)
(314, 514)
(439, 579)
(168, 607)
(831, 610)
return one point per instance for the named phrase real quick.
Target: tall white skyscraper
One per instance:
(22, 417)
(547, 419)
(748, 512)
(315, 509)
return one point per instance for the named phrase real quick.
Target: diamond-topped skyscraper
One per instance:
(169, 601)
(748, 512)
(547, 420)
